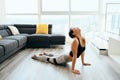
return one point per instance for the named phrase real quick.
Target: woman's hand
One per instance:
(86, 64)
(76, 71)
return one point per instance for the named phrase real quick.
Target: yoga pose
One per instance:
(77, 49)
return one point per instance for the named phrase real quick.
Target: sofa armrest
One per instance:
(50, 29)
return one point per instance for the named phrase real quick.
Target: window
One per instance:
(108, 1)
(84, 5)
(85, 22)
(21, 6)
(62, 14)
(113, 18)
(21, 11)
(66, 13)
(55, 5)
(113, 23)
(60, 23)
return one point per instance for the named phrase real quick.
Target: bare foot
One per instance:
(42, 54)
(76, 71)
(34, 57)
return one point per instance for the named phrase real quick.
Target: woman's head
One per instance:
(74, 32)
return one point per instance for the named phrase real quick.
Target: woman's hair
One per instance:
(71, 33)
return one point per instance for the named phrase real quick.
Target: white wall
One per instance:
(2, 11)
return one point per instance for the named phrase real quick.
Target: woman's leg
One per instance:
(62, 59)
(40, 58)
(44, 58)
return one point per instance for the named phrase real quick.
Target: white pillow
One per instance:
(14, 30)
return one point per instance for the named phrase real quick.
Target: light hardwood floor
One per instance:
(22, 67)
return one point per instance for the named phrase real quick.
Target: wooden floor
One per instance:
(22, 67)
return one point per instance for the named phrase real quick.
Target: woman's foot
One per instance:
(42, 54)
(76, 71)
(34, 57)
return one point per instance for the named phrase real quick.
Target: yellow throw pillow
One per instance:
(0, 37)
(42, 29)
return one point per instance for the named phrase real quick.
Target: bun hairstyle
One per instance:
(71, 33)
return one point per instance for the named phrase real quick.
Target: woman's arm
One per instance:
(74, 47)
(83, 59)
(83, 54)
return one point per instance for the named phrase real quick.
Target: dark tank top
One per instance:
(80, 50)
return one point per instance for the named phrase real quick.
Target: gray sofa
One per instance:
(27, 38)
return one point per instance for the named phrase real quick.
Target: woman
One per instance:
(77, 49)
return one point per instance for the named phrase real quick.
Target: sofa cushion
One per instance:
(4, 31)
(1, 51)
(14, 30)
(23, 35)
(57, 39)
(38, 37)
(26, 28)
(8, 45)
(20, 39)
(38, 40)
(42, 29)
